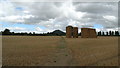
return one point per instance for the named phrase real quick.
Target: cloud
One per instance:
(15, 18)
(40, 30)
(111, 18)
(99, 13)
(58, 15)
(18, 29)
(98, 7)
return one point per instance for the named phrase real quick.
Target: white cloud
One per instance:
(15, 18)
(40, 30)
(111, 18)
(26, 12)
(18, 29)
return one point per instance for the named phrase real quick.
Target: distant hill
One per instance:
(58, 32)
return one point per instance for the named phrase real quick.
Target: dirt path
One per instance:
(62, 56)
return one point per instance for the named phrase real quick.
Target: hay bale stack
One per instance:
(84, 32)
(75, 32)
(92, 33)
(88, 33)
(69, 30)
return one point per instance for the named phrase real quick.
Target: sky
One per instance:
(42, 17)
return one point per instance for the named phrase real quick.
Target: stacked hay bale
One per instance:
(75, 32)
(88, 33)
(84, 32)
(93, 33)
(69, 30)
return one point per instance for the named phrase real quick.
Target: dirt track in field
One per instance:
(62, 57)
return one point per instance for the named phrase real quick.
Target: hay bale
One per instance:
(75, 32)
(69, 30)
(92, 33)
(88, 33)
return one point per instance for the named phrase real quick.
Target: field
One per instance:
(59, 51)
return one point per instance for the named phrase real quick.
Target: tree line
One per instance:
(7, 32)
(56, 33)
(109, 33)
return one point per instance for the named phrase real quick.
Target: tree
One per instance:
(116, 33)
(103, 33)
(33, 33)
(12, 33)
(99, 33)
(30, 33)
(106, 33)
(110, 33)
(6, 32)
(1, 33)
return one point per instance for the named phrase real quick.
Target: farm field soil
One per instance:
(59, 51)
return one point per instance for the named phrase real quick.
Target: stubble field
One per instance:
(59, 51)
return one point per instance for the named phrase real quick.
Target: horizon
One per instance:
(58, 30)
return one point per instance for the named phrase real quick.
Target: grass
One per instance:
(93, 52)
(44, 50)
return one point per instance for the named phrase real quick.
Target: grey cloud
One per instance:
(96, 11)
(96, 7)
(51, 16)
(90, 26)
